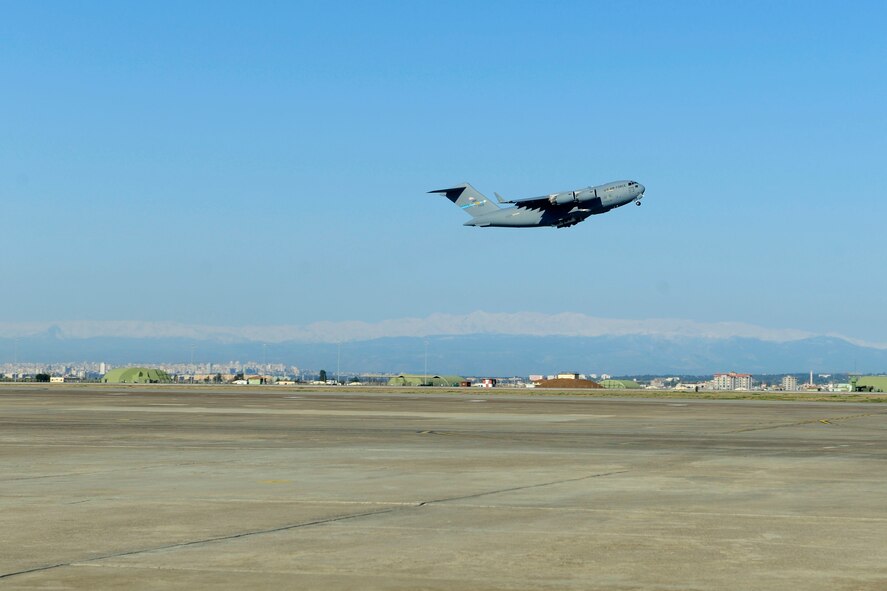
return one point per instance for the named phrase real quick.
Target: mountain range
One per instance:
(476, 344)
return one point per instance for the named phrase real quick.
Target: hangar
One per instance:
(620, 384)
(411, 379)
(868, 384)
(136, 375)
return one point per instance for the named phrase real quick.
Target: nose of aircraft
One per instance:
(640, 193)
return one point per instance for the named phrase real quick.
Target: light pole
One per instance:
(425, 375)
(338, 358)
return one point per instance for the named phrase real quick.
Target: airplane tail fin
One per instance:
(468, 198)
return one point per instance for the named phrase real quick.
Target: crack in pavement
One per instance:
(337, 518)
(198, 542)
(516, 488)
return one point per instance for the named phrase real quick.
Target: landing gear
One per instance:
(638, 202)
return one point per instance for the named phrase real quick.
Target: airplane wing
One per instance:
(543, 202)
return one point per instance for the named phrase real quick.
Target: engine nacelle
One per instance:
(569, 197)
(563, 198)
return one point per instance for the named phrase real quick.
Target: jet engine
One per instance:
(564, 198)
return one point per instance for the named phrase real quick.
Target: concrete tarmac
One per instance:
(269, 488)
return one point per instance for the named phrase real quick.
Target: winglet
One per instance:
(499, 198)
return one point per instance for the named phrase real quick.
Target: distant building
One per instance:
(689, 387)
(731, 381)
(567, 376)
(790, 383)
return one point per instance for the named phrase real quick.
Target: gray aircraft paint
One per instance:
(560, 210)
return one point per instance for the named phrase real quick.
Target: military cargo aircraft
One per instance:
(560, 210)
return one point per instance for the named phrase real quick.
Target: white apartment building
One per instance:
(731, 381)
(790, 383)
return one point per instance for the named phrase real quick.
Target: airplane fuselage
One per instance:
(563, 209)
(560, 210)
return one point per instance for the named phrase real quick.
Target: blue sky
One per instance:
(267, 163)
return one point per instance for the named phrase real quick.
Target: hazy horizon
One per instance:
(476, 322)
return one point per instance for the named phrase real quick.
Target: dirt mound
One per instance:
(568, 383)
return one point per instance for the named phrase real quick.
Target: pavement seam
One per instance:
(114, 471)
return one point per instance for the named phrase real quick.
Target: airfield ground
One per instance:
(272, 488)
